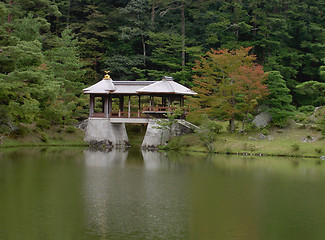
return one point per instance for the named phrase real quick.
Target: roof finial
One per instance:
(106, 75)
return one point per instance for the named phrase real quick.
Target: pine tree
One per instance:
(278, 103)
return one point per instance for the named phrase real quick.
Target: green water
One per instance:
(80, 194)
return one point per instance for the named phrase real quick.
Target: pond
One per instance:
(55, 193)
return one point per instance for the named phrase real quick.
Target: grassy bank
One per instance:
(291, 141)
(55, 136)
(276, 142)
(64, 136)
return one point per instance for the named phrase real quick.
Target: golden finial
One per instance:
(107, 76)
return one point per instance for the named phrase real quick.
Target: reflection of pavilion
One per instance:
(128, 199)
(105, 159)
(154, 160)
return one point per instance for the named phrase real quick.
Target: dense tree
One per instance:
(229, 83)
(278, 103)
(146, 39)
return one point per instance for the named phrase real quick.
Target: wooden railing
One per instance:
(139, 114)
(158, 109)
(124, 114)
(98, 115)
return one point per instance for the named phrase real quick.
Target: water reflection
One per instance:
(76, 194)
(134, 199)
(154, 160)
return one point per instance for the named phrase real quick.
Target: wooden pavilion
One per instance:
(170, 95)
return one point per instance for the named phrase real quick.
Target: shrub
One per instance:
(265, 131)
(281, 123)
(4, 129)
(249, 147)
(53, 115)
(295, 146)
(43, 124)
(208, 132)
(301, 117)
(318, 150)
(308, 109)
(70, 121)
(44, 137)
(20, 131)
(228, 150)
(301, 126)
(251, 127)
(70, 129)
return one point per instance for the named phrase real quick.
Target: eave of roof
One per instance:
(165, 86)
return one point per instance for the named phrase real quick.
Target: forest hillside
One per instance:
(51, 49)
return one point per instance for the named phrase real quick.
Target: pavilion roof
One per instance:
(165, 86)
(103, 86)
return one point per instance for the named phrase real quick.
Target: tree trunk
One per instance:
(144, 50)
(9, 18)
(69, 10)
(183, 32)
(244, 120)
(153, 15)
(232, 124)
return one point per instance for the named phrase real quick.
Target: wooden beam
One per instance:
(106, 107)
(121, 102)
(109, 105)
(129, 110)
(91, 105)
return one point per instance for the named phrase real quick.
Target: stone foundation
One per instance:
(101, 133)
(157, 135)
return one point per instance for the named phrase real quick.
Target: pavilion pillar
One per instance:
(129, 109)
(106, 103)
(91, 105)
(109, 103)
(139, 110)
(164, 101)
(182, 101)
(121, 103)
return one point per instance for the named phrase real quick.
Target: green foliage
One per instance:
(318, 150)
(265, 131)
(19, 131)
(295, 146)
(179, 143)
(279, 101)
(249, 147)
(171, 119)
(44, 137)
(313, 90)
(229, 84)
(5, 121)
(250, 128)
(43, 124)
(70, 129)
(308, 109)
(208, 132)
(49, 49)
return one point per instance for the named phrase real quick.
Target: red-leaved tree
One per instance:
(228, 83)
